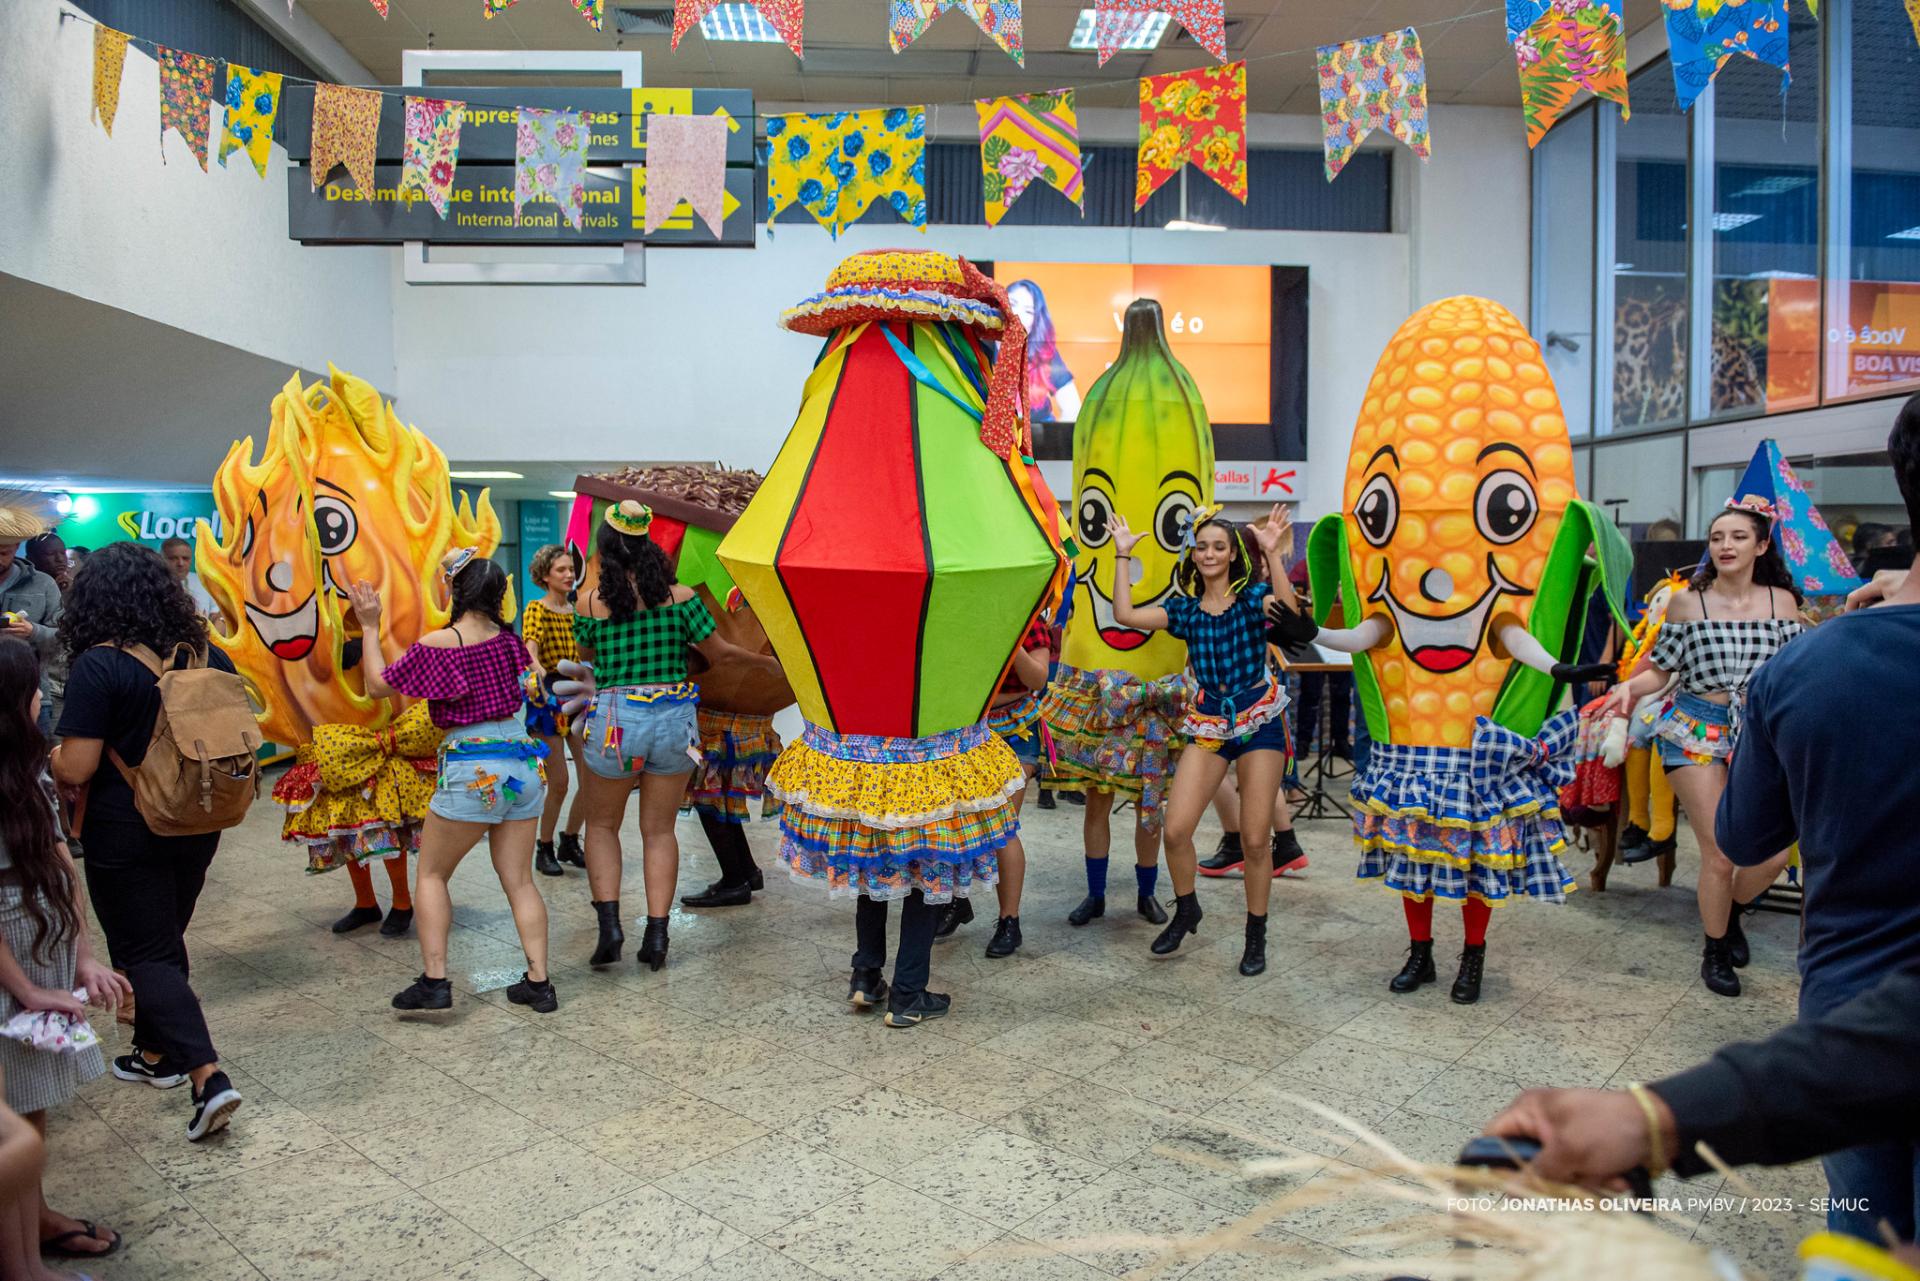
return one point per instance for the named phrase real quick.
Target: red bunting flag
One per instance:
(1194, 115)
(1115, 20)
(784, 16)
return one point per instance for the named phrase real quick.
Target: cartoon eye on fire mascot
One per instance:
(343, 492)
(1142, 451)
(1468, 561)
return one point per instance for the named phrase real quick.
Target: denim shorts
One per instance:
(651, 729)
(490, 773)
(1690, 719)
(1271, 737)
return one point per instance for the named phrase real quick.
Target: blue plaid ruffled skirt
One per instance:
(1481, 821)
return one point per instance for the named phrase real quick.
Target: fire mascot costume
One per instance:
(1463, 551)
(344, 492)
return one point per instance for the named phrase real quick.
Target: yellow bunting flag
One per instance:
(253, 100)
(1032, 137)
(346, 125)
(837, 163)
(109, 60)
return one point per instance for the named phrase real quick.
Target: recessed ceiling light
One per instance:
(561, 493)
(1777, 185)
(1729, 221)
(486, 475)
(740, 22)
(1136, 31)
(1911, 233)
(1181, 224)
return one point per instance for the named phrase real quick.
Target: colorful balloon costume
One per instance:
(896, 553)
(343, 492)
(1142, 450)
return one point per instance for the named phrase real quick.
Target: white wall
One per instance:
(104, 219)
(1471, 219)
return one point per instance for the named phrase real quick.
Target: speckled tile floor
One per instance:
(730, 1119)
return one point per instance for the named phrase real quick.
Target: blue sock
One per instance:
(1097, 877)
(1146, 878)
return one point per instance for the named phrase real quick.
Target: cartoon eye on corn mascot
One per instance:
(343, 492)
(1142, 453)
(1468, 561)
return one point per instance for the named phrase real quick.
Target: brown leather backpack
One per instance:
(200, 772)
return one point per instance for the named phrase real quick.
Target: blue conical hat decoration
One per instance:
(1814, 556)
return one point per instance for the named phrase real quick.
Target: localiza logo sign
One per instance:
(148, 526)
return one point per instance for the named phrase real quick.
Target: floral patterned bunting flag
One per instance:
(1033, 137)
(1562, 47)
(837, 163)
(591, 10)
(1913, 16)
(686, 160)
(1376, 83)
(1194, 115)
(784, 16)
(1703, 35)
(493, 7)
(253, 100)
(346, 125)
(1000, 19)
(380, 6)
(431, 149)
(186, 100)
(1115, 20)
(550, 159)
(109, 60)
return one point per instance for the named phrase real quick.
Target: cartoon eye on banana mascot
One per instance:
(1142, 451)
(1464, 562)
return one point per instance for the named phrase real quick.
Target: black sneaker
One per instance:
(538, 997)
(927, 1005)
(136, 1067)
(426, 994)
(358, 918)
(866, 989)
(213, 1107)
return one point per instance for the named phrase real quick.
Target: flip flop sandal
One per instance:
(57, 1246)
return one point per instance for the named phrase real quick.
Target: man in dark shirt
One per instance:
(1824, 757)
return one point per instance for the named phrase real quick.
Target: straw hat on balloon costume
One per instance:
(896, 553)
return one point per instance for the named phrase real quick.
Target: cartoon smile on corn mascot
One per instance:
(343, 492)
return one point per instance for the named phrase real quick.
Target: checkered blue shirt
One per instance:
(1226, 651)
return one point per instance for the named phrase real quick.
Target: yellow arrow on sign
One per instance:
(681, 219)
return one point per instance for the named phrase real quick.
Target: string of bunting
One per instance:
(837, 164)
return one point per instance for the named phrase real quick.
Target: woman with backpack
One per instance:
(124, 612)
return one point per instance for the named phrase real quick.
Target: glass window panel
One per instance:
(1563, 263)
(1641, 481)
(1766, 231)
(1650, 256)
(1874, 343)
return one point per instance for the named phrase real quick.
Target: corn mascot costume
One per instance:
(897, 552)
(343, 492)
(1469, 561)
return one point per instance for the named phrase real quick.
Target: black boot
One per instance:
(1417, 972)
(653, 944)
(544, 861)
(1466, 986)
(571, 851)
(358, 918)
(611, 935)
(1737, 951)
(1091, 906)
(1287, 852)
(953, 916)
(721, 894)
(1716, 969)
(1186, 920)
(1227, 858)
(1046, 801)
(1149, 907)
(1635, 845)
(1254, 959)
(1006, 938)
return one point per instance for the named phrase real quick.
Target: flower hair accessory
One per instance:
(456, 560)
(1755, 504)
(630, 516)
(1190, 528)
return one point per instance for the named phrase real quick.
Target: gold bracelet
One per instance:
(1656, 1133)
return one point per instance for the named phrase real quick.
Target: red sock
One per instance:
(1474, 914)
(362, 885)
(1419, 919)
(397, 878)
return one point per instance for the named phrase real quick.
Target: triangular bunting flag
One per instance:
(1194, 115)
(1000, 19)
(591, 11)
(109, 60)
(346, 127)
(1115, 20)
(837, 163)
(1913, 16)
(1562, 49)
(492, 7)
(186, 100)
(1701, 38)
(1813, 555)
(380, 6)
(784, 16)
(686, 160)
(253, 100)
(1032, 137)
(430, 151)
(550, 161)
(1376, 83)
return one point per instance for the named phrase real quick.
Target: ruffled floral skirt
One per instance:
(1113, 732)
(885, 816)
(737, 749)
(1476, 822)
(356, 794)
